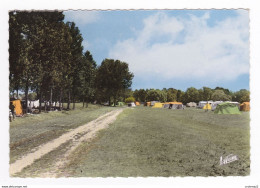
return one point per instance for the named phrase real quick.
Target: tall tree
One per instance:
(172, 94)
(207, 93)
(88, 76)
(191, 95)
(76, 49)
(113, 78)
(42, 53)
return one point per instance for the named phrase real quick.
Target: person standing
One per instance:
(12, 108)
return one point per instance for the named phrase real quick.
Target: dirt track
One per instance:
(77, 136)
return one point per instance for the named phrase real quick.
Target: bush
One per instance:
(130, 99)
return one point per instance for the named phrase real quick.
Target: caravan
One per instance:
(203, 103)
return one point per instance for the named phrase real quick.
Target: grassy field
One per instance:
(28, 132)
(161, 142)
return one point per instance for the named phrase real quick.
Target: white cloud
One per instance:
(82, 17)
(193, 49)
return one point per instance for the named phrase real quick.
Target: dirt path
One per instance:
(78, 135)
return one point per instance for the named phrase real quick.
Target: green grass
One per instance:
(31, 131)
(161, 142)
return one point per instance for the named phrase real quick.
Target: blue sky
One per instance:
(171, 48)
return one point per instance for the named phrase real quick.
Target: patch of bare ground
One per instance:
(74, 138)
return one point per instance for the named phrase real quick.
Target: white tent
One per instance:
(33, 104)
(132, 104)
(191, 104)
(236, 103)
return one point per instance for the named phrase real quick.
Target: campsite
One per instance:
(92, 102)
(148, 141)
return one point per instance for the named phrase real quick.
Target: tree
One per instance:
(207, 93)
(113, 78)
(156, 95)
(180, 96)
(130, 99)
(32, 96)
(140, 95)
(41, 56)
(191, 95)
(219, 95)
(241, 96)
(87, 77)
(172, 94)
(15, 47)
(76, 49)
(226, 91)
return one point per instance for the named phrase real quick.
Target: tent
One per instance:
(166, 105)
(33, 104)
(191, 104)
(17, 107)
(137, 103)
(120, 103)
(175, 105)
(174, 102)
(215, 104)
(132, 104)
(158, 105)
(148, 104)
(236, 103)
(227, 108)
(153, 102)
(245, 106)
(207, 107)
(203, 103)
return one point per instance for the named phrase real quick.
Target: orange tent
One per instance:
(245, 106)
(137, 103)
(173, 103)
(148, 104)
(18, 107)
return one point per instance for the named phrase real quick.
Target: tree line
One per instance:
(46, 57)
(191, 95)
(48, 62)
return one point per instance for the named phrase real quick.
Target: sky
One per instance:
(171, 48)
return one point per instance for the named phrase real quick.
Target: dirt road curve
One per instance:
(78, 135)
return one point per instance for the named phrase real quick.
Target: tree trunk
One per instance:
(83, 101)
(17, 93)
(51, 100)
(86, 102)
(73, 103)
(40, 101)
(26, 95)
(114, 101)
(45, 106)
(60, 101)
(68, 104)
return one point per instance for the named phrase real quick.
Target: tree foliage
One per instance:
(220, 95)
(241, 96)
(113, 78)
(156, 95)
(130, 99)
(140, 95)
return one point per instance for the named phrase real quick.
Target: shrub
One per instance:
(130, 99)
